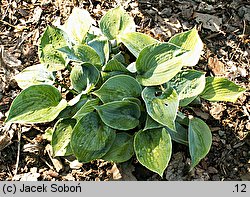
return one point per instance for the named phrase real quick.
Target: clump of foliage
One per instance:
(119, 108)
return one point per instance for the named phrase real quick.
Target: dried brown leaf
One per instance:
(210, 22)
(216, 66)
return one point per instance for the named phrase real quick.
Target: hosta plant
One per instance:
(128, 91)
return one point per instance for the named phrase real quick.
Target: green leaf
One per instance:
(188, 84)
(180, 135)
(221, 89)
(34, 75)
(199, 139)
(36, 104)
(118, 87)
(116, 22)
(158, 63)
(61, 137)
(108, 75)
(153, 149)
(121, 150)
(101, 46)
(132, 99)
(89, 106)
(52, 40)
(78, 25)
(122, 115)
(71, 110)
(152, 124)
(182, 118)
(189, 40)
(161, 105)
(82, 53)
(115, 64)
(136, 41)
(84, 77)
(91, 139)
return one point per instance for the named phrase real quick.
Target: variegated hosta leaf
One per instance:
(161, 105)
(101, 46)
(82, 53)
(188, 84)
(121, 115)
(61, 137)
(182, 118)
(91, 139)
(35, 75)
(108, 75)
(221, 89)
(152, 124)
(52, 40)
(153, 149)
(118, 87)
(136, 41)
(121, 150)
(158, 63)
(199, 139)
(114, 65)
(36, 104)
(180, 135)
(189, 40)
(78, 25)
(72, 108)
(89, 106)
(132, 99)
(84, 77)
(116, 22)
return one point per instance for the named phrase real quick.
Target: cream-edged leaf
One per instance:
(199, 139)
(91, 139)
(36, 104)
(136, 41)
(35, 75)
(78, 25)
(121, 150)
(221, 89)
(153, 149)
(61, 137)
(158, 63)
(188, 84)
(116, 22)
(161, 105)
(118, 87)
(122, 115)
(189, 40)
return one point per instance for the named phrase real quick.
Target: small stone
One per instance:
(216, 177)
(221, 133)
(223, 141)
(212, 170)
(245, 177)
(166, 12)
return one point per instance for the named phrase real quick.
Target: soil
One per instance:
(25, 152)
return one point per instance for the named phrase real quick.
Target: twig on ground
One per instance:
(18, 151)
